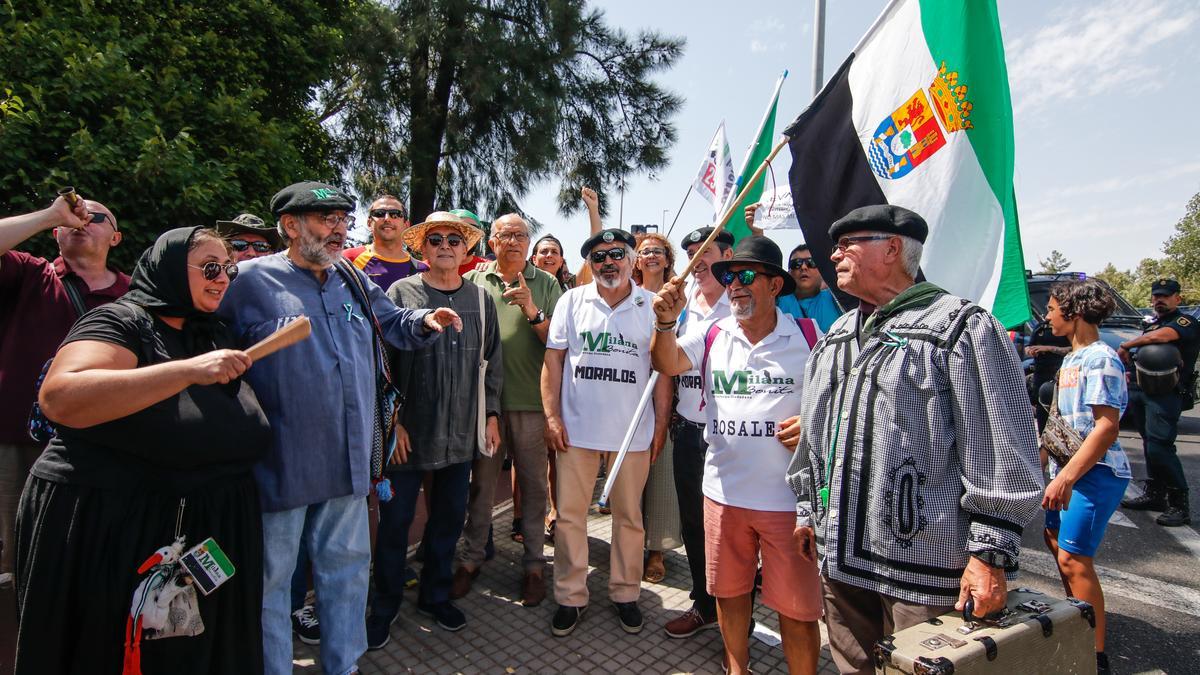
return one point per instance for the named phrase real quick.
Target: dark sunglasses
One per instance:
(388, 213)
(240, 245)
(746, 277)
(612, 253)
(98, 217)
(801, 263)
(212, 269)
(453, 240)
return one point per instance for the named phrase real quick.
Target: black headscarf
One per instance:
(160, 286)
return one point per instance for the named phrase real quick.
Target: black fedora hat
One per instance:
(759, 250)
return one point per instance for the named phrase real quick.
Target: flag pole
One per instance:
(679, 211)
(818, 47)
(644, 401)
(750, 150)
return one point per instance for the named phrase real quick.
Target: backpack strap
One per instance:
(76, 296)
(809, 328)
(709, 338)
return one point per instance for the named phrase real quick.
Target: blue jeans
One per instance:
(337, 537)
(300, 579)
(447, 511)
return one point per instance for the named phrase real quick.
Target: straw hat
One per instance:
(414, 237)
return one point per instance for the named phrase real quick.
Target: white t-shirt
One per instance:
(749, 390)
(607, 367)
(688, 384)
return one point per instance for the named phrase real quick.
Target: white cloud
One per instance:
(1128, 182)
(1095, 50)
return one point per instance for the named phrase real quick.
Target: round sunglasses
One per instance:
(453, 240)
(212, 269)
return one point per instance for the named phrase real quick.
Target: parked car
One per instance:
(1125, 323)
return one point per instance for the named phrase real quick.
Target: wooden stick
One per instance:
(287, 336)
(645, 400)
(720, 227)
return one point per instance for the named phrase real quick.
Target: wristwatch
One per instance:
(997, 559)
(540, 317)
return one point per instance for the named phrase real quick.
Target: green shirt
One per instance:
(523, 351)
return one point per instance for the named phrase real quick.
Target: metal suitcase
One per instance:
(1034, 634)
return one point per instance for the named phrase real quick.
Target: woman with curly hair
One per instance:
(1091, 394)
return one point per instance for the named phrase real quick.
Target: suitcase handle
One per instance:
(969, 614)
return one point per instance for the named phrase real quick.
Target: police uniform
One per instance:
(1157, 418)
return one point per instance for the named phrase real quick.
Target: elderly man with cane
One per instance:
(749, 363)
(917, 467)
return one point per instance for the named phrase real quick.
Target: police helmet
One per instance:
(1158, 368)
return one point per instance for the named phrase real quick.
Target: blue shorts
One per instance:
(1094, 499)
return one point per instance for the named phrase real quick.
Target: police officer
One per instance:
(1157, 416)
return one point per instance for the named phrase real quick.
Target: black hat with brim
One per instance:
(607, 237)
(885, 218)
(310, 196)
(762, 251)
(1164, 287)
(699, 235)
(248, 223)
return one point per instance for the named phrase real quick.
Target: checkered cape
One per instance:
(933, 444)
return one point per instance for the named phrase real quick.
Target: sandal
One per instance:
(516, 535)
(655, 569)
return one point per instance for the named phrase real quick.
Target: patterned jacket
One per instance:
(933, 444)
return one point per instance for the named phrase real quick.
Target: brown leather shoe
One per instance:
(463, 578)
(533, 589)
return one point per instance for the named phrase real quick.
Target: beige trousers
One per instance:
(577, 470)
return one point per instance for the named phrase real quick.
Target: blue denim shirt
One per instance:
(318, 394)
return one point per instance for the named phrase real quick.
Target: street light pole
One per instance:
(818, 46)
(663, 226)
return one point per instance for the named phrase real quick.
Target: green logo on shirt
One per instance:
(739, 383)
(605, 342)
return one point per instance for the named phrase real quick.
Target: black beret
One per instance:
(881, 218)
(699, 235)
(310, 196)
(607, 237)
(1164, 287)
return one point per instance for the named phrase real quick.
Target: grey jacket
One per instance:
(439, 382)
(934, 453)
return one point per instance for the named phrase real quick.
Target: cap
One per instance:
(1164, 286)
(700, 234)
(607, 237)
(881, 218)
(310, 196)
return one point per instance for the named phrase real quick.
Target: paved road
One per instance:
(1150, 575)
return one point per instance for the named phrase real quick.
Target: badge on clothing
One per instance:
(208, 565)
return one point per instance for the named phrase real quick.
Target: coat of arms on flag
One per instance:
(917, 129)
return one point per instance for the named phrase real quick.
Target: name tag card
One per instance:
(208, 565)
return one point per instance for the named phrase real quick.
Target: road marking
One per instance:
(1115, 582)
(1186, 537)
(1121, 519)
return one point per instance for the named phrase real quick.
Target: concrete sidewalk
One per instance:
(501, 636)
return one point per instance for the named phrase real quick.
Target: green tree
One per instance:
(1123, 282)
(171, 113)
(465, 103)
(1183, 248)
(1055, 263)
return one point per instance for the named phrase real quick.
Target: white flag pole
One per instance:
(641, 409)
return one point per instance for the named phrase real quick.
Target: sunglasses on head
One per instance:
(801, 263)
(240, 245)
(212, 269)
(388, 213)
(612, 253)
(745, 277)
(453, 240)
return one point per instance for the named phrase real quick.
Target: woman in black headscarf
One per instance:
(156, 436)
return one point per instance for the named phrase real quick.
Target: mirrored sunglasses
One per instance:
(745, 277)
(612, 253)
(212, 269)
(240, 245)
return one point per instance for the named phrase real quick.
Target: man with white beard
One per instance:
(319, 396)
(597, 366)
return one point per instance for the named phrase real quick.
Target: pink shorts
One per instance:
(733, 539)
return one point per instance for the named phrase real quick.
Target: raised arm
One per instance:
(16, 229)
(592, 201)
(665, 354)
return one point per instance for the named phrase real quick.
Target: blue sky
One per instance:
(1104, 92)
